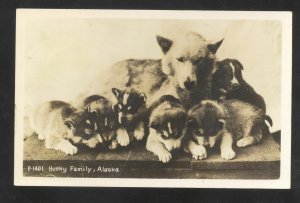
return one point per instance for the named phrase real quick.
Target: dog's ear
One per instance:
(182, 118)
(155, 125)
(116, 92)
(164, 43)
(69, 124)
(192, 123)
(237, 63)
(213, 48)
(143, 97)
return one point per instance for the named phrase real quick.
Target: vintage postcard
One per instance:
(143, 98)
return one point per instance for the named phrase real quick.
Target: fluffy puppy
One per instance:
(167, 124)
(59, 124)
(131, 109)
(104, 120)
(228, 83)
(231, 121)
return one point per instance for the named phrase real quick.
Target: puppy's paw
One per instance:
(66, 147)
(98, 137)
(139, 133)
(227, 153)
(199, 152)
(164, 156)
(123, 137)
(244, 142)
(113, 145)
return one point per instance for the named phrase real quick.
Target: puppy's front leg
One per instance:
(122, 136)
(155, 146)
(198, 151)
(113, 144)
(64, 146)
(226, 146)
(139, 132)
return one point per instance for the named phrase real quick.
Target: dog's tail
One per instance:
(269, 119)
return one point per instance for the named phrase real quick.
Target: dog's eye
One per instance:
(201, 131)
(181, 59)
(197, 60)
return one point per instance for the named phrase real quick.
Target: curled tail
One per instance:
(269, 119)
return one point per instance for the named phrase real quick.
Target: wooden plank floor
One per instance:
(261, 161)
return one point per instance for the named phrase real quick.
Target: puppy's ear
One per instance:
(182, 118)
(213, 48)
(69, 124)
(192, 123)
(237, 64)
(116, 92)
(164, 43)
(143, 97)
(220, 124)
(155, 125)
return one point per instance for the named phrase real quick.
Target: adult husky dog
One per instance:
(184, 71)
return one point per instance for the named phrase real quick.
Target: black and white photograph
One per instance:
(141, 98)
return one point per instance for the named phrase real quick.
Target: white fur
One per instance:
(122, 137)
(125, 98)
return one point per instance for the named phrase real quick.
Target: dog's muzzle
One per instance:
(189, 84)
(235, 86)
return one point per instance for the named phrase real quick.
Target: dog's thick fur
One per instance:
(228, 83)
(233, 121)
(167, 123)
(184, 71)
(132, 111)
(104, 119)
(58, 123)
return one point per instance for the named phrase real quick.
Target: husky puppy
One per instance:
(58, 123)
(105, 121)
(232, 121)
(189, 60)
(167, 125)
(131, 109)
(228, 83)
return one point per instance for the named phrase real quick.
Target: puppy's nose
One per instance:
(189, 84)
(206, 144)
(235, 86)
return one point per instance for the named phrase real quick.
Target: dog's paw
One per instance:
(98, 137)
(139, 134)
(244, 142)
(66, 147)
(199, 152)
(227, 153)
(113, 145)
(123, 137)
(164, 156)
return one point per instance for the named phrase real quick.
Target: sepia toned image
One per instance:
(153, 98)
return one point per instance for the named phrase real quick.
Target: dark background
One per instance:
(10, 193)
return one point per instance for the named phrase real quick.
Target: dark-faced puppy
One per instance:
(232, 121)
(167, 123)
(131, 109)
(104, 119)
(228, 83)
(58, 123)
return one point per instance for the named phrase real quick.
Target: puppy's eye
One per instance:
(181, 59)
(201, 131)
(88, 122)
(197, 60)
